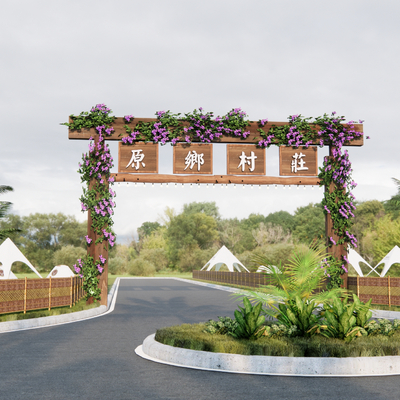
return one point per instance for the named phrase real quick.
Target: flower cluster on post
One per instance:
(98, 196)
(90, 270)
(197, 126)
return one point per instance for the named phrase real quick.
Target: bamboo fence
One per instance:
(22, 295)
(385, 291)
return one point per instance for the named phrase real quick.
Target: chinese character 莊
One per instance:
(136, 159)
(298, 163)
(247, 160)
(194, 158)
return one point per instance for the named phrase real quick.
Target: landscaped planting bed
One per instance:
(193, 337)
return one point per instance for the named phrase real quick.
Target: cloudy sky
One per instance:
(271, 58)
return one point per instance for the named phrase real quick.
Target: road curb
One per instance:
(321, 367)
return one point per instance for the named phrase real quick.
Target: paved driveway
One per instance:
(95, 359)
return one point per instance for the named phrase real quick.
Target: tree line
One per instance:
(186, 240)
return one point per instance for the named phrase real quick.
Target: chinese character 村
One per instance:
(136, 159)
(298, 163)
(247, 160)
(194, 158)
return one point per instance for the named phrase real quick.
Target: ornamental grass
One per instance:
(192, 337)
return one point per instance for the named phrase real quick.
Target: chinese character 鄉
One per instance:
(298, 163)
(136, 159)
(194, 158)
(247, 160)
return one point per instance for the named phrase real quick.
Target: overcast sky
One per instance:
(271, 58)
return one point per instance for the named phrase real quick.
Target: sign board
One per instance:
(139, 158)
(244, 159)
(193, 158)
(299, 161)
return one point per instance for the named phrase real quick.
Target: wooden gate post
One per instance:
(337, 250)
(98, 249)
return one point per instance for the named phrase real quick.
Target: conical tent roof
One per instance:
(60, 271)
(224, 256)
(391, 258)
(10, 253)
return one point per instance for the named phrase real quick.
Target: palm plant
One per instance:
(296, 290)
(4, 208)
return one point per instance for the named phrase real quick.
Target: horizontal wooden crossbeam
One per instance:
(215, 179)
(254, 136)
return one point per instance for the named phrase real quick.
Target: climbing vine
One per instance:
(201, 126)
(97, 194)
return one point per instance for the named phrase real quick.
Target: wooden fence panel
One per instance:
(248, 279)
(384, 291)
(17, 295)
(12, 295)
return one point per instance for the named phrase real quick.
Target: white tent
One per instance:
(224, 256)
(355, 259)
(60, 271)
(269, 269)
(391, 258)
(9, 253)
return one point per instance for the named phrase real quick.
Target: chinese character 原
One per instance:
(136, 159)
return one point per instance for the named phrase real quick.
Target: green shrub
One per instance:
(118, 265)
(382, 327)
(249, 321)
(224, 326)
(156, 256)
(141, 267)
(194, 258)
(68, 255)
(279, 331)
(341, 322)
(299, 313)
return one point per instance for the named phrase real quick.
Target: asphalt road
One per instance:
(95, 359)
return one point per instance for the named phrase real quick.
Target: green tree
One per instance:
(366, 215)
(393, 205)
(309, 223)
(4, 209)
(156, 240)
(190, 231)
(51, 231)
(147, 228)
(267, 233)
(208, 208)
(281, 218)
(231, 234)
(13, 225)
(386, 235)
(252, 222)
